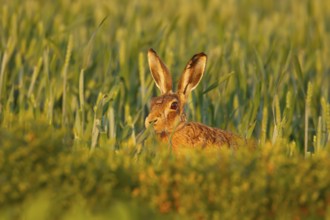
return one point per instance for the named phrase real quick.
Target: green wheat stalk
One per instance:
(307, 112)
(49, 91)
(35, 74)
(82, 100)
(65, 76)
(277, 120)
(142, 82)
(112, 127)
(2, 73)
(318, 143)
(264, 126)
(326, 110)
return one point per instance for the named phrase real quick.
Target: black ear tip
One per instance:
(151, 50)
(202, 54)
(199, 56)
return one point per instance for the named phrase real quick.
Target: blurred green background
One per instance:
(75, 83)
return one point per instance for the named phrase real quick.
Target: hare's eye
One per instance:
(174, 105)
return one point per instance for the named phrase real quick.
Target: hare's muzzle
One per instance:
(150, 121)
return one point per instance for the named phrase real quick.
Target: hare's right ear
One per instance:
(159, 72)
(192, 74)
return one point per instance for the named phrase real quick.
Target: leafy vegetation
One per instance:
(74, 92)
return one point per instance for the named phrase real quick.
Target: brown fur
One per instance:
(197, 135)
(170, 124)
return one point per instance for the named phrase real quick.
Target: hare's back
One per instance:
(197, 134)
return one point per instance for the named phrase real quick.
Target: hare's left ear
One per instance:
(192, 74)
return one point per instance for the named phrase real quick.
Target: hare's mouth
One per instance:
(151, 123)
(158, 128)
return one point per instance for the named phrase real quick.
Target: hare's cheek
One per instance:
(157, 128)
(171, 116)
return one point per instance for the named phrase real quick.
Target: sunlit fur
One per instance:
(162, 117)
(171, 125)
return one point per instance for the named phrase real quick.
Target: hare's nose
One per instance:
(153, 121)
(150, 121)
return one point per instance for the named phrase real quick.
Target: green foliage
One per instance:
(74, 92)
(42, 176)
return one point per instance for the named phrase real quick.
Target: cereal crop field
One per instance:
(75, 88)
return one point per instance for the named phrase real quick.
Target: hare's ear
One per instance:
(192, 74)
(159, 72)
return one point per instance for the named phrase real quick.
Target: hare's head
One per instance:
(167, 110)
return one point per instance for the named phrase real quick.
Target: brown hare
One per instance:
(167, 111)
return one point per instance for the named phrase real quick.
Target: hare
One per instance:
(167, 111)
